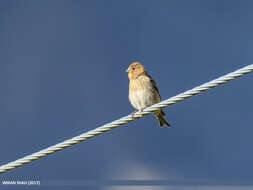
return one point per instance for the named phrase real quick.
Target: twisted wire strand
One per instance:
(126, 119)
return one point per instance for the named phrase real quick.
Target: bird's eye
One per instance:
(133, 68)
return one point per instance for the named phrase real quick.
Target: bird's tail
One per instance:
(160, 117)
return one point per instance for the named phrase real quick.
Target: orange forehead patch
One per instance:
(136, 65)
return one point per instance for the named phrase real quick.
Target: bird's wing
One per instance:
(154, 85)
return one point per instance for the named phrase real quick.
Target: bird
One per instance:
(143, 91)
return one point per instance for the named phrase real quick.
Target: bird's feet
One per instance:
(132, 114)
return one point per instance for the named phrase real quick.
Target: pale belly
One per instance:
(141, 99)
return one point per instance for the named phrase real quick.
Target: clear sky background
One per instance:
(62, 73)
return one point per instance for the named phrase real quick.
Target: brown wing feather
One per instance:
(154, 85)
(152, 82)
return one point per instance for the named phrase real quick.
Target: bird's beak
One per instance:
(127, 70)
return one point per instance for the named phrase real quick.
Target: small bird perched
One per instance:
(143, 90)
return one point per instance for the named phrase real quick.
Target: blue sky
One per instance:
(62, 73)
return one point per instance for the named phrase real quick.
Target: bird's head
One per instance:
(135, 69)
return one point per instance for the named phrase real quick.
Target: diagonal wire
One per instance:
(127, 119)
